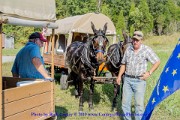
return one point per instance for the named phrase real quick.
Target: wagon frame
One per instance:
(34, 101)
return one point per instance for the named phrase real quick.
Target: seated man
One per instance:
(29, 62)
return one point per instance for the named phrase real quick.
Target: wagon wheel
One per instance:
(63, 82)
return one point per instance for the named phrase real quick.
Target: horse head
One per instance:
(99, 42)
(127, 41)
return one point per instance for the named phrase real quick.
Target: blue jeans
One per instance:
(137, 87)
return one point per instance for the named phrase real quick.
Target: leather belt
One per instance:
(133, 76)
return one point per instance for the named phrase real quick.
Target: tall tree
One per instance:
(173, 11)
(161, 15)
(147, 18)
(160, 23)
(76, 7)
(60, 9)
(120, 24)
(135, 17)
(115, 6)
(105, 10)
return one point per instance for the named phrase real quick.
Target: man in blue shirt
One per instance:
(29, 62)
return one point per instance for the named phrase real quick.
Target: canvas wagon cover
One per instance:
(29, 9)
(82, 24)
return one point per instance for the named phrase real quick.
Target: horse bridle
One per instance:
(100, 43)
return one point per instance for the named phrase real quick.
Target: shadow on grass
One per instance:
(120, 111)
(61, 112)
(108, 89)
(96, 95)
(119, 108)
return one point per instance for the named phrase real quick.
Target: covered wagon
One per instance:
(70, 29)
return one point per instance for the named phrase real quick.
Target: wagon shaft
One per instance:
(100, 80)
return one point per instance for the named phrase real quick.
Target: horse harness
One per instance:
(83, 56)
(117, 55)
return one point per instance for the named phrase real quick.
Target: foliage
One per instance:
(67, 8)
(140, 18)
(157, 16)
(105, 10)
(132, 30)
(165, 14)
(135, 17)
(147, 18)
(120, 24)
(20, 33)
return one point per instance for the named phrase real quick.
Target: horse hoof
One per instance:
(91, 108)
(75, 92)
(113, 108)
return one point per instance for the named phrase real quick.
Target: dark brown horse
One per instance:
(83, 59)
(113, 61)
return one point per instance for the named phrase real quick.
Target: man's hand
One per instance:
(118, 80)
(145, 76)
(15, 75)
(121, 71)
(49, 79)
(39, 66)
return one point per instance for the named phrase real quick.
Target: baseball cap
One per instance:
(37, 35)
(138, 35)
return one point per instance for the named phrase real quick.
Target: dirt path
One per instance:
(7, 59)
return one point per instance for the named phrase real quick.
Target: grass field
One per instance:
(12, 52)
(67, 105)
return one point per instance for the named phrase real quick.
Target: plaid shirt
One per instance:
(136, 63)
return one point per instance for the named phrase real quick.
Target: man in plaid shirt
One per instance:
(134, 65)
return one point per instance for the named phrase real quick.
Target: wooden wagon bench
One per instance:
(28, 102)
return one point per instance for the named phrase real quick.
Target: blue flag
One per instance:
(167, 84)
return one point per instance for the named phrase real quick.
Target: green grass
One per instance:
(6, 69)
(66, 103)
(11, 52)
